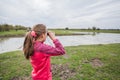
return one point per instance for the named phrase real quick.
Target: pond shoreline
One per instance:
(55, 34)
(12, 36)
(70, 34)
(59, 32)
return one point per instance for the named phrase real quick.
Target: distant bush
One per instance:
(94, 28)
(66, 28)
(98, 28)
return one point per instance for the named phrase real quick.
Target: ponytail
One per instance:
(28, 45)
(30, 38)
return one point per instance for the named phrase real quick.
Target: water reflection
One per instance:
(87, 33)
(10, 44)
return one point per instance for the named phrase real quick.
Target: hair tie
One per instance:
(33, 33)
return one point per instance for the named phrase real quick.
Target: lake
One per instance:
(15, 43)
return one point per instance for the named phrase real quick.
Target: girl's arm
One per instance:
(52, 51)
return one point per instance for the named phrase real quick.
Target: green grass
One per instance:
(63, 32)
(77, 64)
(57, 31)
(103, 31)
(12, 33)
(71, 31)
(13, 64)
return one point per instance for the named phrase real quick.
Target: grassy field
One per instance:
(13, 33)
(84, 62)
(72, 31)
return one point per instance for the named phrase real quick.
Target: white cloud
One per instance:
(61, 13)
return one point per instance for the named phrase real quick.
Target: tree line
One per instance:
(93, 28)
(8, 27)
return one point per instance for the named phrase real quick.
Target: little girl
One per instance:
(39, 53)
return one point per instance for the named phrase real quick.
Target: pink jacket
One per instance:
(40, 60)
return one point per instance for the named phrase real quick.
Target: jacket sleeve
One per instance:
(53, 51)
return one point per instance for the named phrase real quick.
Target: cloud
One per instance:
(61, 13)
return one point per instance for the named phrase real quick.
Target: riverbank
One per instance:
(84, 62)
(63, 31)
(59, 32)
(13, 33)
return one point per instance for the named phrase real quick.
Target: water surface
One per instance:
(15, 43)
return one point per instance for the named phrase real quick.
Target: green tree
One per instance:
(94, 28)
(66, 28)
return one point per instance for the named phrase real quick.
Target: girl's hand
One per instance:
(51, 35)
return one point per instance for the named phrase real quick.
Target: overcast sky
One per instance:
(61, 13)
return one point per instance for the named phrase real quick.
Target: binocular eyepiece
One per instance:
(48, 33)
